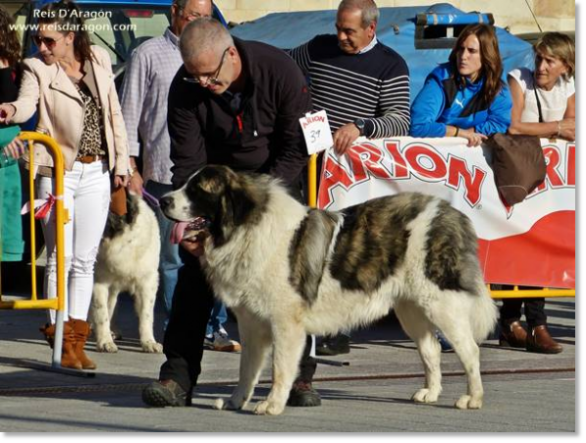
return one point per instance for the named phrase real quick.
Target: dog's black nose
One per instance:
(165, 202)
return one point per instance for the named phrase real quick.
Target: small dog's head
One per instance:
(214, 199)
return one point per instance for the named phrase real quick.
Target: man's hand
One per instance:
(344, 137)
(136, 183)
(193, 245)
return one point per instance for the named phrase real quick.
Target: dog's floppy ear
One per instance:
(242, 204)
(236, 205)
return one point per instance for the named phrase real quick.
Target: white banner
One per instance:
(447, 168)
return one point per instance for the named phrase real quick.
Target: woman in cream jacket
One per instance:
(71, 86)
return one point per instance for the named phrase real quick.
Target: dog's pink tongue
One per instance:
(177, 232)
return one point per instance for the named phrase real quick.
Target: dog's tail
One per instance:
(484, 313)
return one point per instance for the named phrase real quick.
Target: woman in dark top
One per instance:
(11, 242)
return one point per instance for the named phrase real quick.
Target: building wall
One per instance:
(552, 15)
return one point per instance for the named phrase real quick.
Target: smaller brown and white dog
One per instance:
(127, 261)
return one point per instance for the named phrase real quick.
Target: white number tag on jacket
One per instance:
(317, 132)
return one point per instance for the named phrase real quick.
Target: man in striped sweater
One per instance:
(362, 84)
(364, 87)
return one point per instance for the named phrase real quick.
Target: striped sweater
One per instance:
(373, 86)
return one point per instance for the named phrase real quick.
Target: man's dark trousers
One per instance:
(192, 305)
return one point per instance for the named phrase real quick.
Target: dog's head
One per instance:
(216, 200)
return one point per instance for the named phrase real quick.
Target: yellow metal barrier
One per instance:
(495, 293)
(535, 292)
(312, 181)
(61, 216)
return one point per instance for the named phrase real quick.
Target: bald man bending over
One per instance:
(233, 103)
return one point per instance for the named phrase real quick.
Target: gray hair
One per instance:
(370, 12)
(181, 4)
(203, 35)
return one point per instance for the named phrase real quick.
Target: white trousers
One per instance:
(87, 199)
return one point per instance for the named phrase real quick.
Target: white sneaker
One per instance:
(220, 341)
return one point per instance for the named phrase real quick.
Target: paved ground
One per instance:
(524, 392)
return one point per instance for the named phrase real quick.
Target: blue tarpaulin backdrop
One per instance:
(396, 28)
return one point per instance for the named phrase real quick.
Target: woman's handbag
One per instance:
(518, 165)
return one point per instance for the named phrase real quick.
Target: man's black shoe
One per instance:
(302, 394)
(166, 393)
(338, 344)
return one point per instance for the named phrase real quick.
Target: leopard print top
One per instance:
(92, 138)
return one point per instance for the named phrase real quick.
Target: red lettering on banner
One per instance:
(553, 177)
(333, 175)
(553, 162)
(571, 166)
(423, 162)
(457, 170)
(399, 163)
(366, 158)
(438, 169)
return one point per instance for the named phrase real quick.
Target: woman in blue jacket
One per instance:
(466, 96)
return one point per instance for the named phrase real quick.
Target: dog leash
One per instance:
(150, 199)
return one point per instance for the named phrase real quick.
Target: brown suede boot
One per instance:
(541, 342)
(81, 330)
(68, 356)
(513, 334)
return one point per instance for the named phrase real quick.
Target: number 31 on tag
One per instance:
(317, 132)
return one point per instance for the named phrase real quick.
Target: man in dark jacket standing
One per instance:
(238, 104)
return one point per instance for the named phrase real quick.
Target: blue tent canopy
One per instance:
(397, 28)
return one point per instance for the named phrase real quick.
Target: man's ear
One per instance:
(371, 29)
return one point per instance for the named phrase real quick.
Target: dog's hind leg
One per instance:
(421, 331)
(255, 337)
(101, 319)
(288, 343)
(459, 334)
(144, 304)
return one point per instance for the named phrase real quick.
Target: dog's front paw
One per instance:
(425, 396)
(469, 402)
(268, 407)
(230, 404)
(107, 346)
(152, 347)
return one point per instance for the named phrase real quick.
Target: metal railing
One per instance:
(61, 217)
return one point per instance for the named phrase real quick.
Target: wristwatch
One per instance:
(360, 123)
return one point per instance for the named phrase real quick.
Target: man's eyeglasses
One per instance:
(209, 79)
(47, 41)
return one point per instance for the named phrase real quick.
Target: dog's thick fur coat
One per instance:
(128, 261)
(287, 270)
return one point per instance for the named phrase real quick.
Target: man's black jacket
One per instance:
(264, 137)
